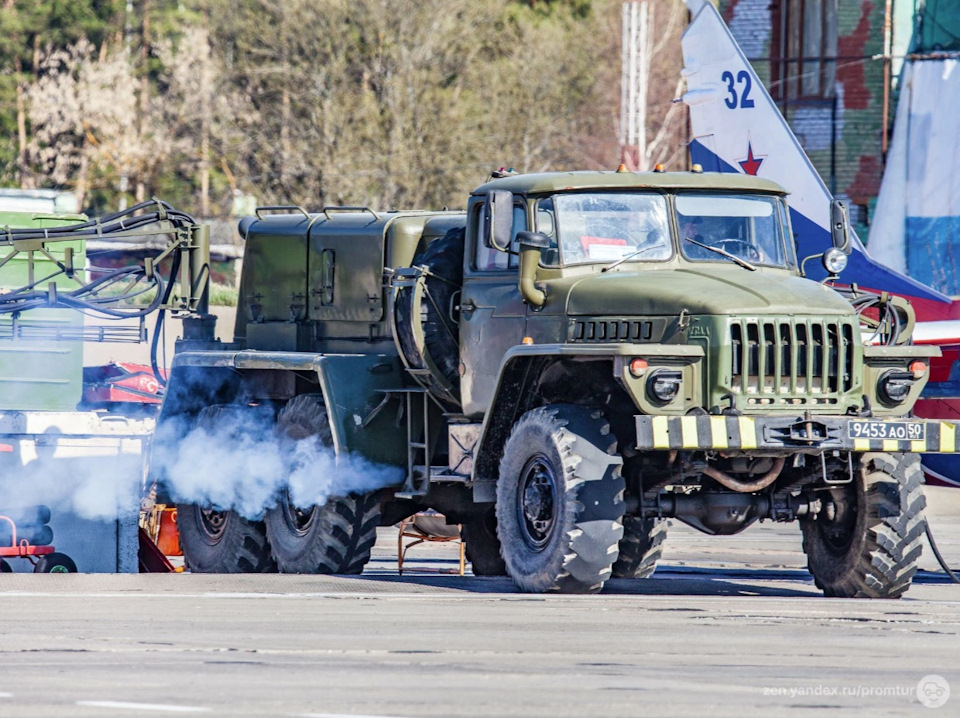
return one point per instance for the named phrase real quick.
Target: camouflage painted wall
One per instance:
(842, 135)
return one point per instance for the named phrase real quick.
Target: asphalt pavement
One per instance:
(726, 627)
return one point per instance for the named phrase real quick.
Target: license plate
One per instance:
(900, 430)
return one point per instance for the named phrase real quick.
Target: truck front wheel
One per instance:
(333, 538)
(482, 545)
(866, 541)
(640, 548)
(560, 500)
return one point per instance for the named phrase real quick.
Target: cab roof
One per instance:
(545, 182)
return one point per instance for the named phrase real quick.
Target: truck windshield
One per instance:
(749, 227)
(605, 227)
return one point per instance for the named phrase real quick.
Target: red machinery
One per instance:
(32, 542)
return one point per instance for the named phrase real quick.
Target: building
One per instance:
(832, 67)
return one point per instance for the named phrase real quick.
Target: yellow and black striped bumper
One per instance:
(773, 433)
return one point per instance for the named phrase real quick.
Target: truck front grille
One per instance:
(793, 359)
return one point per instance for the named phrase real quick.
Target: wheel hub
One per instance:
(537, 502)
(213, 522)
(838, 526)
(298, 519)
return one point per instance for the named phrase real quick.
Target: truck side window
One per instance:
(487, 258)
(546, 223)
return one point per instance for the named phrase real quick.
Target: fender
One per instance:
(354, 387)
(519, 367)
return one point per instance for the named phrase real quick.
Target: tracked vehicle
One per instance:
(562, 368)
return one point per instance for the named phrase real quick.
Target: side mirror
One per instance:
(530, 245)
(840, 225)
(498, 219)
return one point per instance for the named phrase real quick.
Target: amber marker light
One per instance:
(528, 340)
(638, 366)
(918, 368)
(660, 167)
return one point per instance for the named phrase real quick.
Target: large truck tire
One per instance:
(216, 541)
(334, 538)
(560, 500)
(440, 353)
(640, 548)
(869, 543)
(219, 540)
(482, 546)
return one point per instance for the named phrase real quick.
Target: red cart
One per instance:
(45, 559)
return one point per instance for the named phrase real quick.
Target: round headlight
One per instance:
(663, 386)
(834, 260)
(894, 386)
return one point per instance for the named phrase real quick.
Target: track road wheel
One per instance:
(482, 545)
(334, 538)
(55, 563)
(868, 544)
(217, 540)
(560, 500)
(640, 548)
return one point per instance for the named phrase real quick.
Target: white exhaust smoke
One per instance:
(98, 486)
(244, 465)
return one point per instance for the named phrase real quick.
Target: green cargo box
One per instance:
(39, 374)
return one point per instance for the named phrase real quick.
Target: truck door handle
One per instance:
(467, 307)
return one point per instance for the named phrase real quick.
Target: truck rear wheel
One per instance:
(640, 548)
(560, 500)
(218, 540)
(334, 538)
(482, 545)
(868, 543)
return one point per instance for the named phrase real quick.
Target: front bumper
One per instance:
(795, 434)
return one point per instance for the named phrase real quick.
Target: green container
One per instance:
(38, 374)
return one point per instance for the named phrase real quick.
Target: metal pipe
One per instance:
(529, 259)
(199, 291)
(745, 486)
(887, 53)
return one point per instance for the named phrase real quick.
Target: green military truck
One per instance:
(573, 361)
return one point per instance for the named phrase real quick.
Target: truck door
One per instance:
(492, 313)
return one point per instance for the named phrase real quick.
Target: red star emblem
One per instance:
(750, 165)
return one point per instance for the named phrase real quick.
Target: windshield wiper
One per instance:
(742, 262)
(632, 254)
